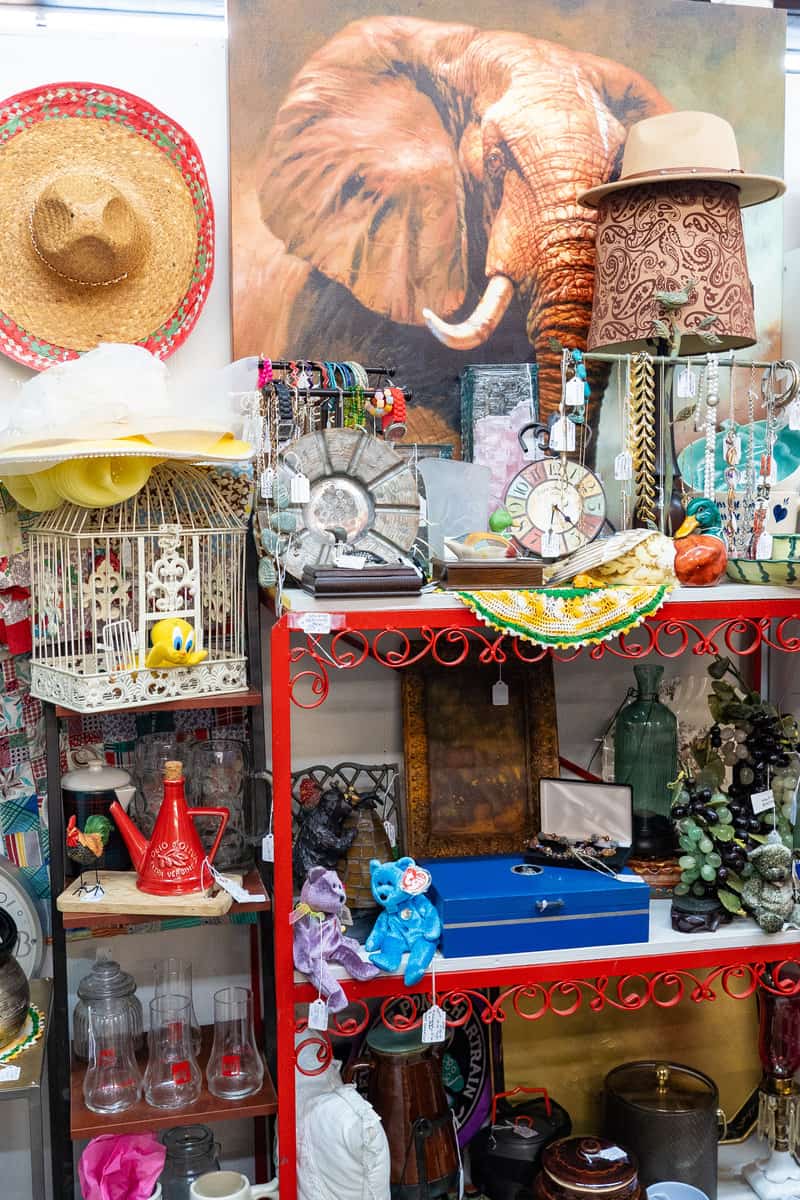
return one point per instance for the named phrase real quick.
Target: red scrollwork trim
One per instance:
(453, 645)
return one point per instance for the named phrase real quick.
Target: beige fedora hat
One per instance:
(686, 145)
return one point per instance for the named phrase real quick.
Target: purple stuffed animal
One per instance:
(318, 937)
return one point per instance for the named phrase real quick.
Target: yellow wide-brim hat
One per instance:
(106, 224)
(686, 146)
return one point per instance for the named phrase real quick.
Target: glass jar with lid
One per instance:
(191, 1152)
(106, 984)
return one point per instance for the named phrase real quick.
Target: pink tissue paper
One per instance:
(121, 1166)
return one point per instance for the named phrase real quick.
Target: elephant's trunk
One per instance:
(482, 322)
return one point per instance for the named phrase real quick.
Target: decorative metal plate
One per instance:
(359, 485)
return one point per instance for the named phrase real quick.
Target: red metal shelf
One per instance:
(312, 640)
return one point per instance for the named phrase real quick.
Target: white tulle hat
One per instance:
(119, 401)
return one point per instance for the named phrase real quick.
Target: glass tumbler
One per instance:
(219, 774)
(172, 1079)
(152, 751)
(173, 977)
(112, 1081)
(235, 1068)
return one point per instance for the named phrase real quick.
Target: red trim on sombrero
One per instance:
(63, 101)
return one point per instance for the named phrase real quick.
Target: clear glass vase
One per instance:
(153, 750)
(112, 1082)
(173, 977)
(235, 1068)
(173, 1078)
(646, 758)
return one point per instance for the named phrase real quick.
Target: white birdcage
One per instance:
(102, 578)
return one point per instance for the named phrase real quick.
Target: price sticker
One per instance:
(433, 1024)
(551, 545)
(772, 473)
(793, 413)
(315, 622)
(268, 848)
(574, 395)
(686, 384)
(391, 832)
(318, 1014)
(231, 1065)
(181, 1072)
(500, 694)
(562, 435)
(266, 483)
(10, 1074)
(352, 561)
(299, 489)
(762, 801)
(623, 465)
(764, 545)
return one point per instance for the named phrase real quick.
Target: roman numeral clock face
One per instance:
(556, 508)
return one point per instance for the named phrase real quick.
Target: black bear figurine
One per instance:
(322, 839)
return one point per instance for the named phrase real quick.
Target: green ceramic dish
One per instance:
(785, 546)
(746, 570)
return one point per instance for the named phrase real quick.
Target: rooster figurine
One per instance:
(86, 847)
(700, 554)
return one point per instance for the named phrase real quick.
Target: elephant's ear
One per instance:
(627, 94)
(363, 182)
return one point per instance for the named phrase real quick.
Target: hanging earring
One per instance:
(712, 400)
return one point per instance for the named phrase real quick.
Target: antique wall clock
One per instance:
(557, 505)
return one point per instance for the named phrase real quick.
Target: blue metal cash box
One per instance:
(501, 905)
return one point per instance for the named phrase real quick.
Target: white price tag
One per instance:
(772, 473)
(610, 1154)
(433, 1024)
(500, 693)
(525, 1131)
(318, 1015)
(126, 553)
(315, 622)
(92, 897)
(232, 886)
(299, 489)
(762, 801)
(562, 434)
(764, 545)
(793, 413)
(268, 848)
(793, 806)
(265, 483)
(354, 561)
(10, 1074)
(686, 384)
(391, 832)
(623, 465)
(551, 545)
(574, 394)
(423, 511)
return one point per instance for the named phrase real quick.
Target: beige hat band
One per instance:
(681, 171)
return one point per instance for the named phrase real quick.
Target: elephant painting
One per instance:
(419, 201)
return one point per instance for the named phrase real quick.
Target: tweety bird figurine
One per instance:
(173, 643)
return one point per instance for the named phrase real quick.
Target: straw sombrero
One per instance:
(686, 146)
(106, 224)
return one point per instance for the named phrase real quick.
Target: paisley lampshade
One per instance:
(655, 237)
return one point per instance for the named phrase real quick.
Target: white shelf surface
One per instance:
(296, 600)
(741, 934)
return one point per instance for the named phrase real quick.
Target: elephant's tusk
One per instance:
(482, 322)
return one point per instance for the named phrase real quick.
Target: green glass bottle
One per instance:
(646, 757)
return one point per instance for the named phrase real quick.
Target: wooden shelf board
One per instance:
(90, 920)
(248, 699)
(141, 1116)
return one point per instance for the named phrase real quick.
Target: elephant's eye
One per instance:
(495, 163)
